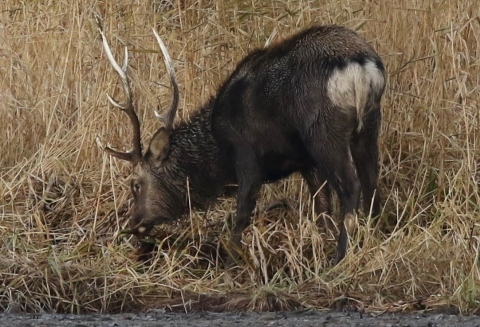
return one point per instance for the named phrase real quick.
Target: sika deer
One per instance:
(308, 104)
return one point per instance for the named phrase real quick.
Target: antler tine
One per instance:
(169, 117)
(135, 154)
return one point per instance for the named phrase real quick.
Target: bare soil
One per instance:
(302, 318)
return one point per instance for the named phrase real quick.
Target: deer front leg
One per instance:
(249, 183)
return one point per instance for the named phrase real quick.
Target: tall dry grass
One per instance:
(63, 202)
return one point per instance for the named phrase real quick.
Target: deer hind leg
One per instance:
(364, 147)
(333, 159)
(347, 186)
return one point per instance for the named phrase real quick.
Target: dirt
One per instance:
(283, 319)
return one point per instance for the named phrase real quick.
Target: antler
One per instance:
(169, 117)
(135, 154)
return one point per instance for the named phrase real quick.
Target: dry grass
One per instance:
(63, 202)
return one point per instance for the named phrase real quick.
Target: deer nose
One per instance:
(139, 227)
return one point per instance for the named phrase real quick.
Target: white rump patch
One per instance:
(352, 86)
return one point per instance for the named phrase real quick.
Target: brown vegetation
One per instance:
(63, 202)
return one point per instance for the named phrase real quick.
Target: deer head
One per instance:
(153, 203)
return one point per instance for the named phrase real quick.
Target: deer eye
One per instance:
(136, 187)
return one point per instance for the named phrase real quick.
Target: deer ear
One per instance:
(159, 146)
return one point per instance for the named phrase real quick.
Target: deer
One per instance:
(310, 103)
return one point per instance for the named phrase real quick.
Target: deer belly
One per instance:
(275, 167)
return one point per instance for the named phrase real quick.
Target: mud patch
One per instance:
(302, 318)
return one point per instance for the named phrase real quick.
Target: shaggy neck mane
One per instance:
(192, 167)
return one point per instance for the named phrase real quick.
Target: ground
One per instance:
(283, 319)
